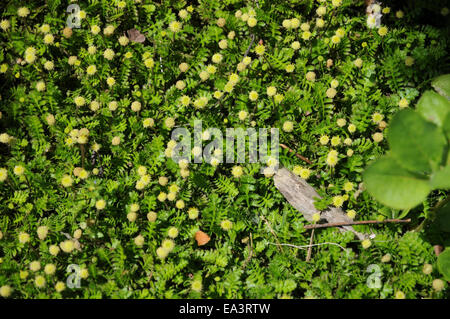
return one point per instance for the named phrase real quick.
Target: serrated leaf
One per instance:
(415, 143)
(395, 186)
(433, 107)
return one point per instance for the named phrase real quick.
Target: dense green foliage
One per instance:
(85, 130)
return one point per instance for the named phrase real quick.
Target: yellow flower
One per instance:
(60, 286)
(35, 265)
(3, 68)
(290, 68)
(382, 31)
(399, 14)
(184, 66)
(162, 252)
(324, 139)
(288, 126)
(335, 39)
(19, 170)
(259, 49)
(351, 128)
(50, 269)
(149, 63)
(151, 216)
(5, 291)
(252, 22)
(335, 141)
(139, 240)
(253, 95)
(311, 76)
(211, 69)
(377, 137)
(351, 213)
(108, 54)
(42, 232)
(53, 250)
(305, 173)
(237, 171)
(24, 237)
(39, 281)
(180, 204)
(242, 115)
(331, 93)
(3, 174)
(49, 38)
(110, 81)
(403, 103)
(109, 30)
(100, 204)
(306, 35)
(348, 186)
(366, 243)
(5, 24)
(175, 26)
(226, 225)
(336, 3)
(438, 285)
(193, 213)
(168, 244)
(320, 23)
(79, 101)
(338, 201)
(409, 61)
(315, 217)
(295, 45)
(358, 62)
(95, 29)
(172, 232)
(23, 12)
(271, 91)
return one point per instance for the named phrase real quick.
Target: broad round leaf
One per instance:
(443, 263)
(416, 144)
(443, 217)
(442, 85)
(433, 107)
(441, 179)
(393, 185)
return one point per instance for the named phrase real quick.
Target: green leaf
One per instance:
(442, 85)
(441, 179)
(433, 107)
(443, 217)
(415, 143)
(446, 125)
(394, 186)
(443, 263)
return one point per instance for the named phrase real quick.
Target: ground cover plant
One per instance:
(92, 205)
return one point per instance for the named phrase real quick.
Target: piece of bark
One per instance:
(301, 196)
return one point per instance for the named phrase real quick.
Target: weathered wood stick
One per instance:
(301, 196)
(298, 155)
(362, 222)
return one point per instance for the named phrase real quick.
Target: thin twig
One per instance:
(308, 256)
(307, 246)
(358, 223)
(271, 230)
(298, 155)
(250, 247)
